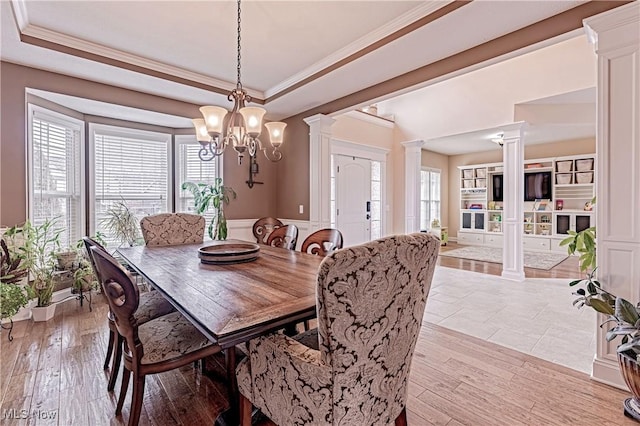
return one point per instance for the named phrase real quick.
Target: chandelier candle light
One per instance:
(242, 128)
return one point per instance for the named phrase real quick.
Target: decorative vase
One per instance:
(43, 313)
(631, 373)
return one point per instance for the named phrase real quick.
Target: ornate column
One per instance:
(512, 218)
(412, 166)
(319, 171)
(616, 39)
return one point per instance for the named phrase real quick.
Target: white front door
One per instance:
(353, 198)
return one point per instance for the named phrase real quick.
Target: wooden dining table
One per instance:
(231, 303)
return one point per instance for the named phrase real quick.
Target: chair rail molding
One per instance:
(412, 167)
(616, 42)
(512, 220)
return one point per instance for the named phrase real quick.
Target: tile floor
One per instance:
(535, 316)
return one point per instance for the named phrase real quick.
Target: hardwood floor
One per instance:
(568, 268)
(55, 369)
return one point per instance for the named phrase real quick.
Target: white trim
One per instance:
(126, 132)
(608, 372)
(119, 55)
(20, 12)
(36, 111)
(363, 116)
(412, 166)
(389, 28)
(319, 170)
(353, 149)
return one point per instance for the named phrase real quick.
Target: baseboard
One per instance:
(608, 372)
(513, 276)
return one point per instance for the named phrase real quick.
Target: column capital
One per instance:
(512, 132)
(413, 144)
(320, 122)
(623, 20)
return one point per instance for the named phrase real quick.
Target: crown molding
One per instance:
(370, 118)
(362, 43)
(20, 13)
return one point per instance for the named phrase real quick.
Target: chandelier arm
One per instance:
(273, 155)
(209, 151)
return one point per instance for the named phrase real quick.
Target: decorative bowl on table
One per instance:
(228, 253)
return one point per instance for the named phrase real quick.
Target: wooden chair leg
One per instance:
(401, 420)
(123, 390)
(112, 336)
(306, 325)
(115, 365)
(245, 411)
(136, 401)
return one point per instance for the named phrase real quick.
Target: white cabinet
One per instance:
(470, 238)
(556, 247)
(493, 240)
(536, 243)
(472, 220)
(574, 221)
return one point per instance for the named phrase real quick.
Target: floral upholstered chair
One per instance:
(168, 229)
(371, 300)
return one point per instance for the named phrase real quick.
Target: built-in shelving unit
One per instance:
(544, 225)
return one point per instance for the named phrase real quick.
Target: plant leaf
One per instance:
(601, 306)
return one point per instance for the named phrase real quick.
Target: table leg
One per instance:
(230, 416)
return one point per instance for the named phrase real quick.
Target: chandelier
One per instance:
(241, 129)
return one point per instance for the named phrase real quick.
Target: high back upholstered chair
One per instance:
(159, 345)
(168, 229)
(152, 305)
(265, 226)
(284, 237)
(371, 300)
(322, 242)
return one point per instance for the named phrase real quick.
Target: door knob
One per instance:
(368, 216)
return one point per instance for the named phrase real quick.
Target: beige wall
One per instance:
(292, 178)
(441, 162)
(549, 150)
(14, 79)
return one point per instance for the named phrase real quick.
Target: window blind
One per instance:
(189, 168)
(131, 168)
(55, 168)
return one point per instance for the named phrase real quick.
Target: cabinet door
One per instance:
(563, 223)
(478, 221)
(583, 221)
(466, 220)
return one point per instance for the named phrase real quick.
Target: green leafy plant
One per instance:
(83, 277)
(40, 243)
(624, 316)
(122, 223)
(13, 295)
(214, 195)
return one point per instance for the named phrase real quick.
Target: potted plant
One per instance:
(623, 315)
(13, 295)
(66, 258)
(39, 247)
(216, 195)
(122, 223)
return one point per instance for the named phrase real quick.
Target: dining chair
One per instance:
(152, 305)
(168, 229)
(322, 242)
(354, 368)
(263, 227)
(285, 237)
(159, 345)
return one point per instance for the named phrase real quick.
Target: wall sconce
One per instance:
(254, 169)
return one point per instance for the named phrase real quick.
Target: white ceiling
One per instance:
(284, 42)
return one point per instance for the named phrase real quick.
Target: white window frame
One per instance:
(35, 111)
(431, 170)
(130, 133)
(188, 140)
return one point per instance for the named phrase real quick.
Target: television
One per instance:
(537, 185)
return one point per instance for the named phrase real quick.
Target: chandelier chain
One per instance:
(239, 84)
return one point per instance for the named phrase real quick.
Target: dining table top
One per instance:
(231, 303)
